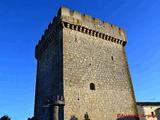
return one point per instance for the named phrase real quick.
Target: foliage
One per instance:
(31, 118)
(5, 117)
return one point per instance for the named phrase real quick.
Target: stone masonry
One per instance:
(81, 63)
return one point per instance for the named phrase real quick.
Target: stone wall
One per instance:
(88, 59)
(49, 83)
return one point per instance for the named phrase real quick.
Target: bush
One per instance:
(5, 117)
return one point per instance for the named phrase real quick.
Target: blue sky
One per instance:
(22, 23)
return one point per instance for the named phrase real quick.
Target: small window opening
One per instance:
(112, 58)
(75, 39)
(152, 113)
(92, 86)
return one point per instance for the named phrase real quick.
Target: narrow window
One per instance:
(92, 86)
(112, 58)
(152, 113)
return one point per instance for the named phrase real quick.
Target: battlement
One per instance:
(83, 23)
(94, 24)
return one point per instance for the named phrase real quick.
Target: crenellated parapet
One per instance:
(83, 23)
(48, 36)
(91, 24)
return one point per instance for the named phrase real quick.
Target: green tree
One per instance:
(5, 117)
(31, 118)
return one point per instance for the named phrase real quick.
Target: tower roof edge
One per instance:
(77, 18)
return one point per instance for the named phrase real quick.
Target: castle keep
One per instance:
(82, 70)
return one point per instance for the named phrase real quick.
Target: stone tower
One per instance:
(82, 70)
